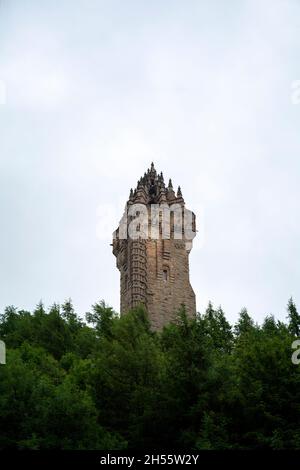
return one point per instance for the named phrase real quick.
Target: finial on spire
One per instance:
(179, 193)
(152, 169)
(131, 194)
(170, 186)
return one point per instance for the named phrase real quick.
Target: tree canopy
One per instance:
(110, 382)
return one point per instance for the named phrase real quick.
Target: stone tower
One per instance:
(152, 246)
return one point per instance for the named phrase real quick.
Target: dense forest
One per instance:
(112, 383)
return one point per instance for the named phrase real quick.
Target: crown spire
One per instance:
(151, 188)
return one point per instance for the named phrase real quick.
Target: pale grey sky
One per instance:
(95, 90)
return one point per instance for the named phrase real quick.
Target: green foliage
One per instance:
(245, 323)
(294, 318)
(218, 328)
(102, 318)
(114, 383)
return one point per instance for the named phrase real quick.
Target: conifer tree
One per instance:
(294, 318)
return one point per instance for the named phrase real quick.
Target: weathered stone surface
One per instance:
(155, 271)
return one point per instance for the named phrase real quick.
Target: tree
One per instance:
(294, 318)
(218, 328)
(117, 384)
(102, 317)
(245, 323)
(188, 381)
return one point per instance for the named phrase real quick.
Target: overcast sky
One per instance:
(92, 91)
